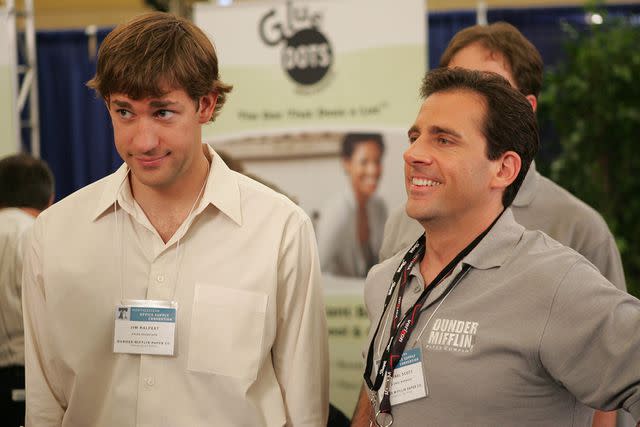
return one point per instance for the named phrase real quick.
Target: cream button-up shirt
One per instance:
(251, 330)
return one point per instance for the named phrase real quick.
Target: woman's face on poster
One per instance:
(364, 168)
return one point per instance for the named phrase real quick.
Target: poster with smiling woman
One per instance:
(324, 92)
(351, 224)
(305, 74)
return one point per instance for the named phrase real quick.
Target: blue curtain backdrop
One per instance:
(544, 27)
(442, 27)
(76, 133)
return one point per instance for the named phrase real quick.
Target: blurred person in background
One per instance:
(540, 203)
(26, 189)
(350, 227)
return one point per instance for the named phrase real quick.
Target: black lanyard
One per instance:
(401, 330)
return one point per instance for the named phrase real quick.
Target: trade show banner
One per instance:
(305, 74)
(9, 141)
(348, 328)
(316, 64)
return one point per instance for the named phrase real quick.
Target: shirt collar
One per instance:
(111, 189)
(496, 247)
(528, 188)
(222, 189)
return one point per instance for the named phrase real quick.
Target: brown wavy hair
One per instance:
(155, 53)
(524, 60)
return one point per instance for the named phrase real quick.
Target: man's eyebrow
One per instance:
(413, 129)
(121, 104)
(154, 104)
(434, 130)
(161, 104)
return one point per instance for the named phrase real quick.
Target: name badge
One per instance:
(407, 383)
(145, 327)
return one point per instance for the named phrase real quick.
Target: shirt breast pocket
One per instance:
(227, 329)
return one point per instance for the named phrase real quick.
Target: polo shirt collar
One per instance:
(528, 188)
(222, 189)
(496, 247)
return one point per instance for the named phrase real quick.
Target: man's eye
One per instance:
(443, 140)
(125, 114)
(164, 114)
(412, 138)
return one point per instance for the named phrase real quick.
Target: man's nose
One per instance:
(418, 153)
(146, 137)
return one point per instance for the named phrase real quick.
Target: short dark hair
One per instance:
(509, 121)
(25, 182)
(156, 52)
(351, 140)
(522, 57)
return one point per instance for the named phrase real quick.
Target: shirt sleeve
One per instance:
(591, 343)
(45, 404)
(606, 258)
(300, 352)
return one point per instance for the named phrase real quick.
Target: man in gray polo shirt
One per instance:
(486, 323)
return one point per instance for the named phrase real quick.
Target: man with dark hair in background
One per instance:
(220, 274)
(483, 322)
(26, 189)
(540, 204)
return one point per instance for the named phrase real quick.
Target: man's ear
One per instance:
(507, 169)
(206, 107)
(533, 101)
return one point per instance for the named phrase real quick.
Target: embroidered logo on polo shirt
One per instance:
(452, 335)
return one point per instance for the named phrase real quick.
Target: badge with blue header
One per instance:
(407, 383)
(145, 327)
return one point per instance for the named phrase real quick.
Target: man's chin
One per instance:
(149, 180)
(412, 213)
(416, 212)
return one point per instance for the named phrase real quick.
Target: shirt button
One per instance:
(149, 381)
(160, 278)
(417, 288)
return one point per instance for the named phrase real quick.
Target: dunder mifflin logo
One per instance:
(306, 54)
(452, 335)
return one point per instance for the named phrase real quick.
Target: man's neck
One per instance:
(168, 208)
(446, 239)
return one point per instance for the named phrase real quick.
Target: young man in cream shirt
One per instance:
(218, 276)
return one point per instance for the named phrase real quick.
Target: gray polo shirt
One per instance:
(542, 205)
(530, 336)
